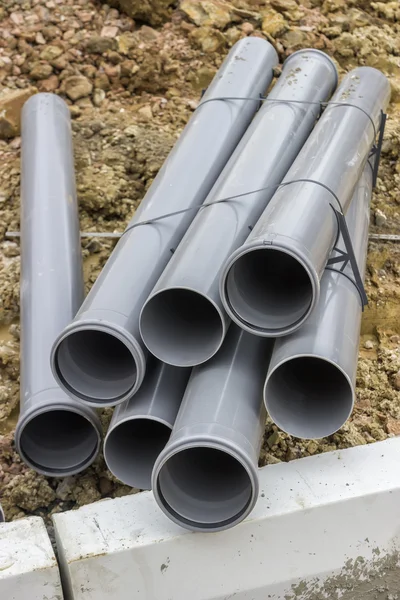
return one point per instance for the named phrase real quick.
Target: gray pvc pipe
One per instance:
(310, 386)
(183, 321)
(55, 435)
(270, 285)
(100, 358)
(141, 427)
(206, 477)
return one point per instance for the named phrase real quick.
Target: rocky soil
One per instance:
(132, 74)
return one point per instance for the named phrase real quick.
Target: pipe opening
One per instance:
(59, 441)
(308, 397)
(132, 448)
(268, 289)
(204, 487)
(95, 366)
(181, 327)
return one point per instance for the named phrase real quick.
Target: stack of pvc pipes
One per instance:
(237, 226)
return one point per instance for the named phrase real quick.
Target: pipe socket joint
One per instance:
(97, 360)
(256, 280)
(57, 438)
(207, 483)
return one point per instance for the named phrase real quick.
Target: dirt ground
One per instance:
(132, 80)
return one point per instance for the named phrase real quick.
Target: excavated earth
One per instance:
(132, 74)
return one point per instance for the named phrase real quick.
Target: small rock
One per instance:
(15, 331)
(233, 35)
(208, 39)
(51, 32)
(51, 53)
(132, 131)
(395, 339)
(17, 18)
(105, 486)
(77, 87)
(126, 41)
(99, 96)
(380, 218)
(396, 380)
(267, 458)
(153, 12)
(11, 105)
(112, 71)
(60, 63)
(274, 24)
(209, 13)
(75, 111)
(393, 426)
(292, 454)
(285, 5)
(99, 44)
(273, 439)
(294, 39)
(65, 488)
(114, 57)
(39, 39)
(86, 490)
(93, 246)
(50, 84)
(368, 345)
(40, 70)
(148, 34)
(102, 82)
(84, 102)
(109, 31)
(128, 68)
(201, 78)
(10, 249)
(145, 113)
(247, 28)
(15, 144)
(312, 447)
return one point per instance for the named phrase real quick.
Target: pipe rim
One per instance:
(275, 246)
(82, 411)
(210, 301)
(318, 357)
(322, 54)
(112, 330)
(112, 430)
(205, 442)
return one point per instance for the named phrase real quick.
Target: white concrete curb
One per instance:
(28, 566)
(323, 526)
